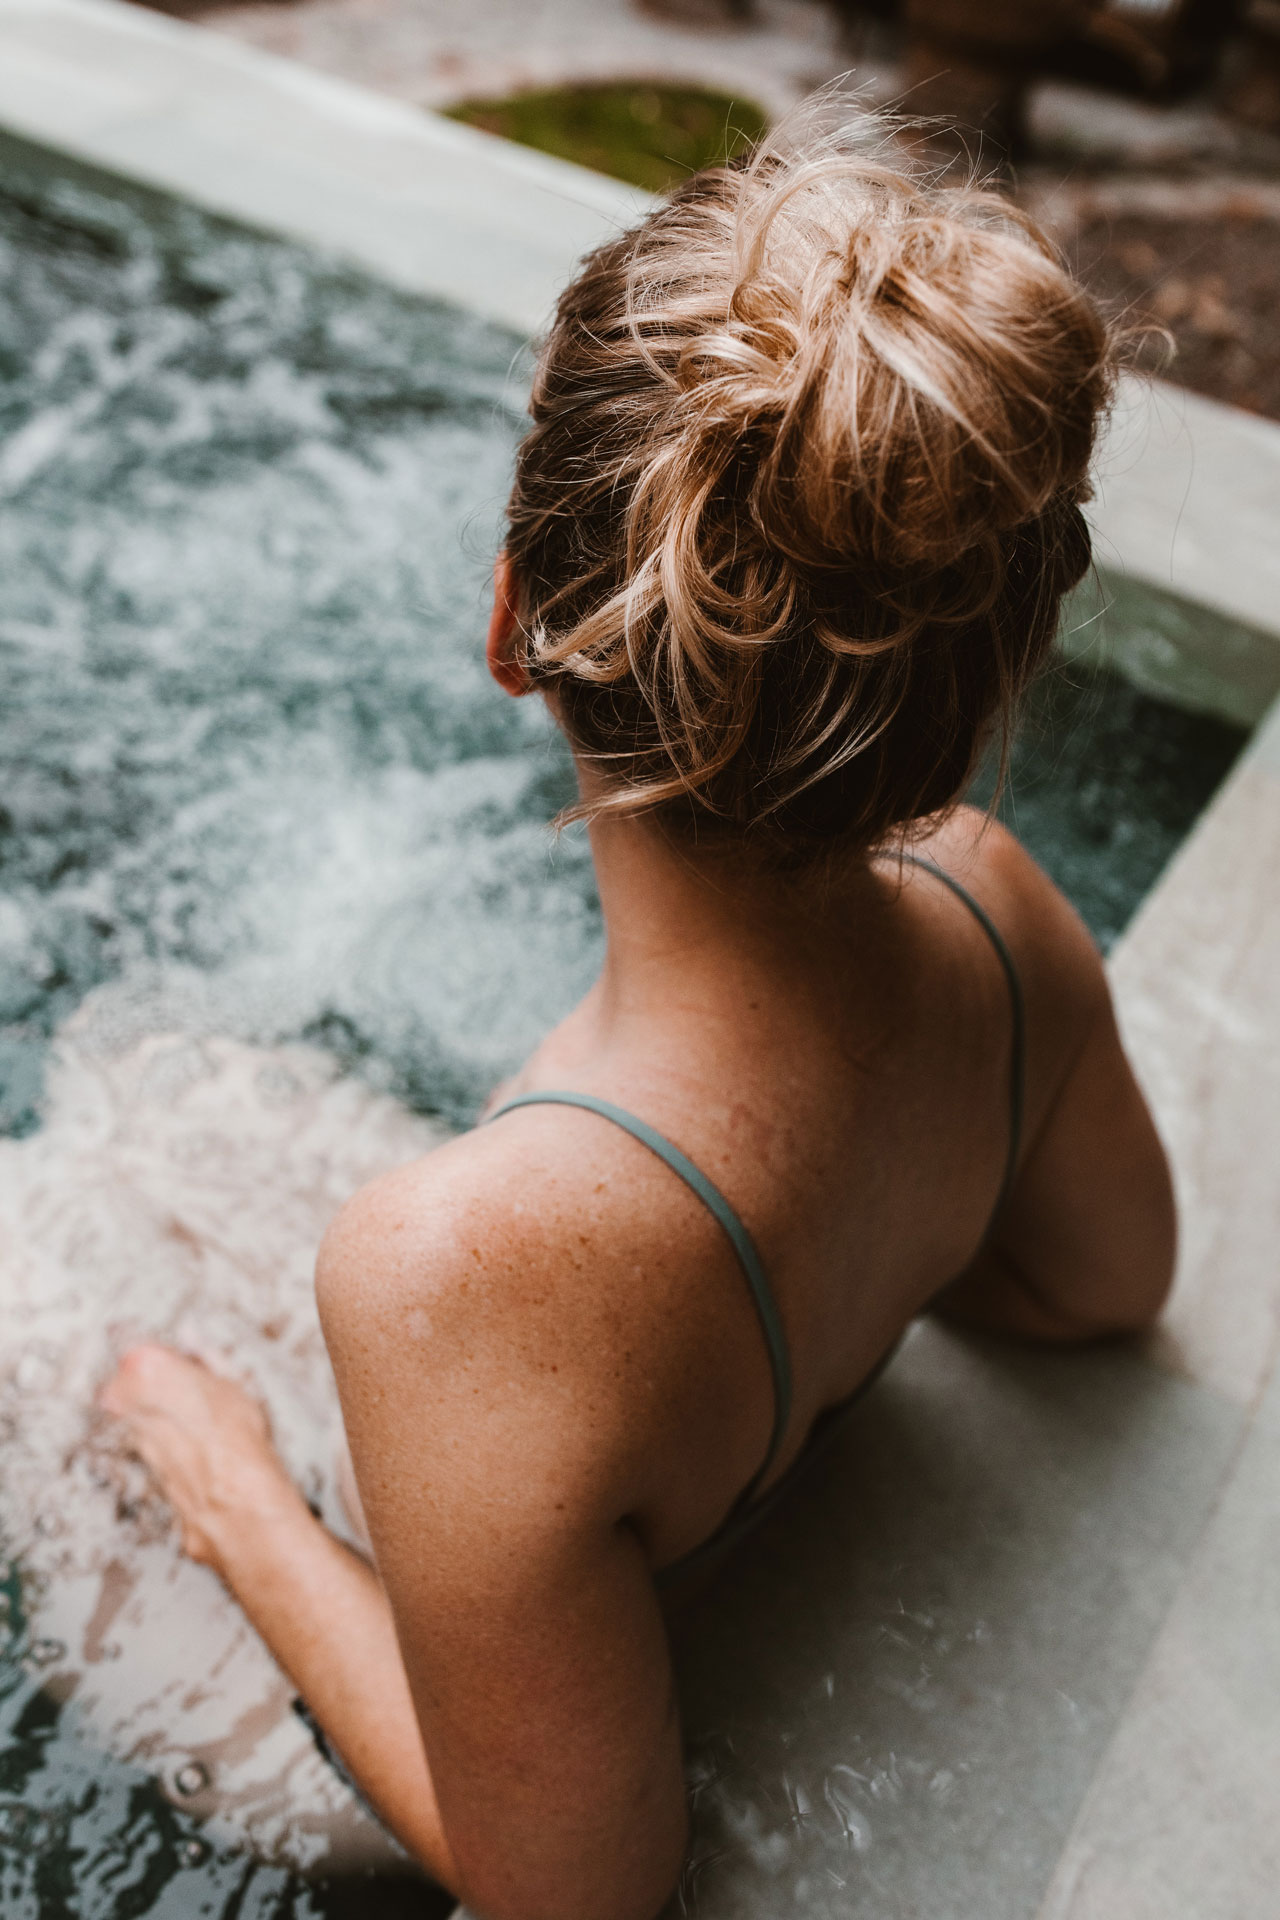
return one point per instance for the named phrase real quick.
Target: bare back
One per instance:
(847, 1088)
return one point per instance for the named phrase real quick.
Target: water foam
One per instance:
(176, 1191)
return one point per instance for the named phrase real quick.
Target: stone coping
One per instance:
(432, 206)
(1187, 486)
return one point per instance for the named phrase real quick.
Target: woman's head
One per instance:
(800, 500)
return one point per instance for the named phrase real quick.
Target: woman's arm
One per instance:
(501, 1689)
(492, 1453)
(320, 1608)
(1085, 1244)
(542, 1682)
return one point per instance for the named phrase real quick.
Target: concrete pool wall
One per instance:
(1167, 1674)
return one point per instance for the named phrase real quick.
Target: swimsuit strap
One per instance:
(739, 1238)
(1017, 1006)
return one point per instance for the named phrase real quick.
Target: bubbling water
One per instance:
(176, 1192)
(250, 503)
(273, 852)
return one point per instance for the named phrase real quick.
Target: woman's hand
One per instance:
(319, 1608)
(207, 1442)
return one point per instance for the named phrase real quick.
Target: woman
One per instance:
(788, 536)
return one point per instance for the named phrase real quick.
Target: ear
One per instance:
(504, 629)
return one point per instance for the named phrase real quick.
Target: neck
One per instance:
(679, 914)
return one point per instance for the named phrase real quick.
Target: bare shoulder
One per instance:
(1086, 1243)
(400, 1244)
(542, 1211)
(519, 1279)
(473, 1306)
(1058, 961)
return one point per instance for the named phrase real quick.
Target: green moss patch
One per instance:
(647, 134)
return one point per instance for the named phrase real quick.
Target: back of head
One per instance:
(801, 495)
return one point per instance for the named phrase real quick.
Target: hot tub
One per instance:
(279, 893)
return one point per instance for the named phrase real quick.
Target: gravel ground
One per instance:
(1173, 217)
(1213, 284)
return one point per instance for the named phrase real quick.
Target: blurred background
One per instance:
(1144, 133)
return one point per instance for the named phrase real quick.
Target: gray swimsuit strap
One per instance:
(740, 1240)
(746, 1510)
(1018, 1035)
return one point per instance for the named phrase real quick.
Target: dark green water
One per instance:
(1104, 783)
(253, 778)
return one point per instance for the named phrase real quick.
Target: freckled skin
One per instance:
(551, 1375)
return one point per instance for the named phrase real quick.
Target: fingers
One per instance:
(151, 1376)
(130, 1376)
(197, 1547)
(205, 1441)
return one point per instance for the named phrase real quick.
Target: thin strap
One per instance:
(743, 1245)
(746, 1513)
(1017, 1006)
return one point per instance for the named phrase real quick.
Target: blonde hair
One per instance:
(801, 495)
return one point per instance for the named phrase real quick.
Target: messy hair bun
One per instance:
(801, 495)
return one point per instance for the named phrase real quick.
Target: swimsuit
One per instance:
(750, 1508)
